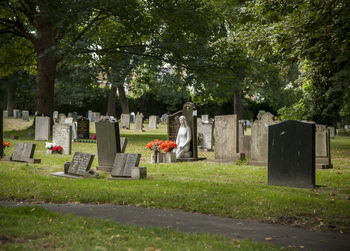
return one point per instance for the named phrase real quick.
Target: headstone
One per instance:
(132, 117)
(139, 122)
(83, 128)
(245, 144)
(68, 120)
(23, 152)
(331, 131)
(259, 139)
(152, 122)
(108, 143)
(75, 116)
(125, 121)
(1, 135)
(205, 118)
(95, 117)
(62, 118)
(55, 117)
(15, 113)
(80, 164)
(123, 163)
(42, 128)
(5, 114)
(25, 115)
(226, 138)
(205, 132)
(89, 115)
(240, 129)
(188, 110)
(69, 115)
(123, 144)
(323, 147)
(62, 136)
(164, 118)
(291, 154)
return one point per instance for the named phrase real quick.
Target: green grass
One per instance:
(237, 191)
(34, 228)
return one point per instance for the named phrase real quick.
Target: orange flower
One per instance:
(5, 144)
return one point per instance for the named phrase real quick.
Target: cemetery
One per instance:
(186, 125)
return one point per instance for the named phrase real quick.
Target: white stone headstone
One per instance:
(62, 136)
(42, 128)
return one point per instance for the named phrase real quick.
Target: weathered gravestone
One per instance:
(5, 114)
(16, 113)
(68, 120)
(75, 116)
(132, 117)
(139, 122)
(55, 117)
(331, 131)
(62, 136)
(245, 144)
(123, 164)
(25, 115)
(188, 110)
(95, 117)
(205, 132)
(62, 118)
(123, 144)
(1, 135)
(226, 138)
(81, 164)
(125, 121)
(24, 152)
(323, 147)
(83, 128)
(259, 139)
(291, 154)
(205, 118)
(108, 143)
(241, 127)
(152, 122)
(42, 128)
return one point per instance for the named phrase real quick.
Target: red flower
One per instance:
(168, 145)
(5, 144)
(154, 145)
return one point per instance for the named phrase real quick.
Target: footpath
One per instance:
(286, 236)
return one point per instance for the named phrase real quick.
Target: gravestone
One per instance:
(55, 117)
(226, 138)
(323, 147)
(139, 122)
(205, 118)
(1, 135)
(95, 117)
(68, 120)
(241, 127)
(259, 138)
(245, 144)
(42, 128)
(108, 143)
(331, 131)
(62, 136)
(132, 117)
(164, 118)
(62, 118)
(81, 164)
(291, 154)
(16, 113)
(152, 122)
(89, 115)
(125, 121)
(205, 132)
(123, 163)
(75, 116)
(25, 115)
(123, 144)
(188, 110)
(24, 152)
(69, 115)
(5, 114)
(83, 128)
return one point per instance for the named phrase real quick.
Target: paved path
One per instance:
(198, 223)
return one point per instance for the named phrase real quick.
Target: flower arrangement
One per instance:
(53, 147)
(167, 146)
(57, 149)
(49, 145)
(154, 145)
(5, 144)
(94, 137)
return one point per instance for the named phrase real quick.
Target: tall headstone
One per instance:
(83, 128)
(95, 117)
(125, 121)
(259, 138)
(152, 122)
(132, 117)
(81, 163)
(123, 163)
(55, 117)
(62, 118)
(139, 122)
(205, 132)
(245, 144)
(205, 118)
(5, 114)
(291, 154)
(62, 136)
(68, 120)
(1, 135)
(42, 128)
(25, 115)
(331, 131)
(226, 138)
(16, 113)
(108, 143)
(323, 147)
(23, 152)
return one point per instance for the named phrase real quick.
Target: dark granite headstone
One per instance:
(291, 154)
(1, 136)
(80, 164)
(108, 143)
(83, 128)
(23, 152)
(123, 163)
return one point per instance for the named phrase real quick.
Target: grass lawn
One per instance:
(237, 191)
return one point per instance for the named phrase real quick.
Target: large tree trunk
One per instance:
(237, 104)
(45, 47)
(122, 99)
(11, 97)
(111, 101)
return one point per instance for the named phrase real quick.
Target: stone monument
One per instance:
(205, 135)
(83, 128)
(139, 122)
(125, 121)
(152, 122)
(291, 154)
(24, 152)
(124, 163)
(25, 115)
(323, 147)
(42, 128)
(62, 136)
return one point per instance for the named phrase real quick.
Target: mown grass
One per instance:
(34, 228)
(238, 191)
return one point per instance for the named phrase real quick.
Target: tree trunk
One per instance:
(122, 99)
(45, 47)
(11, 97)
(237, 104)
(1, 136)
(111, 101)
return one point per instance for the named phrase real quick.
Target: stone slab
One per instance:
(62, 136)
(80, 164)
(42, 128)
(123, 164)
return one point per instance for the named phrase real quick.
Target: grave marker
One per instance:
(42, 128)
(123, 163)
(5, 114)
(25, 115)
(152, 122)
(81, 163)
(291, 154)
(83, 128)
(16, 113)
(24, 152)
(125, 121)
(323, 147)
(139, 122)
(62, 136)
(62, 118)
(205, 135)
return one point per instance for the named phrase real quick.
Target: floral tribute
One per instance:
(5, 144)
(54, 147)
(94, 137)
(154, 145)
(167, 146)
(49, 145)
